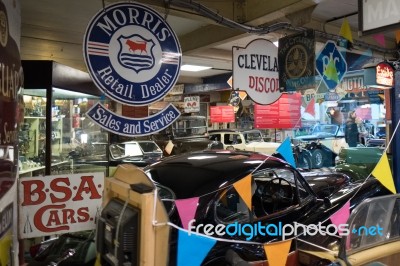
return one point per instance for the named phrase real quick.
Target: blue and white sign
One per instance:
(133, 127)
(331, 65)
(132, 54)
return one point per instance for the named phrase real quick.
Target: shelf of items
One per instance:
(33, 143)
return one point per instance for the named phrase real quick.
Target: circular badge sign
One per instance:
(132, 54)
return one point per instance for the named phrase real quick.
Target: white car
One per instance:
(249, 140)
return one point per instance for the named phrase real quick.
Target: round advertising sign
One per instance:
(132, 54)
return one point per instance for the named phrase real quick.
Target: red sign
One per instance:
(284, 113)
(384, 74)
(222, 114)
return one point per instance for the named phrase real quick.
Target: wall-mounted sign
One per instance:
(132, 54)
(378, 15)
(384, 74)
(133, 127)
(296, 56)
(191, 104)
(255, 70)
(284, 113)
(222, 114)
(59, 204)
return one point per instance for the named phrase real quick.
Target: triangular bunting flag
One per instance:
(193, 248)
(285, 149)
(187, 209)
(362, 59)
(345, 31)
(243, 187)
(341, 216)
(380, 39)
(277, 252)
(330, 71)
(383, 173)
(397, 36)
(310, 108)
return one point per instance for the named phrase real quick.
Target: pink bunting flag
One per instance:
(380, 39)
(187, 209)
(341, 216)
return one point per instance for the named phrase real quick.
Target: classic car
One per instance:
(188, 133)
(249, 140)
(280, 194)
(358, 162)
(324, 143)
(373, 238)
(139, 152)
(252, 140)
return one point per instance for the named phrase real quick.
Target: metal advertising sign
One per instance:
(192, 104)
(133, 127)
(59, 204)
(384, 74)
(331, 65)
(255, 70)
(296, 56)
(132, 54)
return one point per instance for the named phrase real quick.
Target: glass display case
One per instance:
(56, 137)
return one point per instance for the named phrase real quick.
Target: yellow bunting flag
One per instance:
(243, 187)
(277, 252)
(345, 31)
(383, 174)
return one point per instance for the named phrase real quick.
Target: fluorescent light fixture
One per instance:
(194, 68)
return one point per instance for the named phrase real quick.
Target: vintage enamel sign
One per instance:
(59, 204)
(132, 54)
(255, 70)
(133, 127)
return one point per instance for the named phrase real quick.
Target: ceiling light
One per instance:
(194, 68)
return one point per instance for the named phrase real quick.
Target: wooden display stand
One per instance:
(154, 239)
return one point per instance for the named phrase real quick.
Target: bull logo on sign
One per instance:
(136, 53)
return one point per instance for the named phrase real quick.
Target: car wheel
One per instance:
(318, 158)
(303, 161)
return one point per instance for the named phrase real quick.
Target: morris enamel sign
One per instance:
(132, 54)
(255, 70)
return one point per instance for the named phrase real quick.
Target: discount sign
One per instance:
(255, 70)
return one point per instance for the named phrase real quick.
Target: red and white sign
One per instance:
(384, 74)
(255, 70)
(285, 113)
(59, 204)
(192, 104)
(222, 114)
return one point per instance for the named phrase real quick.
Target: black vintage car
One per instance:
(280, 194)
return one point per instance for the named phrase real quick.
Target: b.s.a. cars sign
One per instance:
(132, 54)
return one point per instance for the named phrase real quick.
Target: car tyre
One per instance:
(304, 161)
(318, 158)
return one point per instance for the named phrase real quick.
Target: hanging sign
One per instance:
(59, 204)
(384, 74)
(133, 127)
(132, 54)
(222, 114)
(192, 104)
(285, 113)
(297, 61)
(255, 70)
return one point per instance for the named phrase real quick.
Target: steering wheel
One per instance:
(278, 191)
